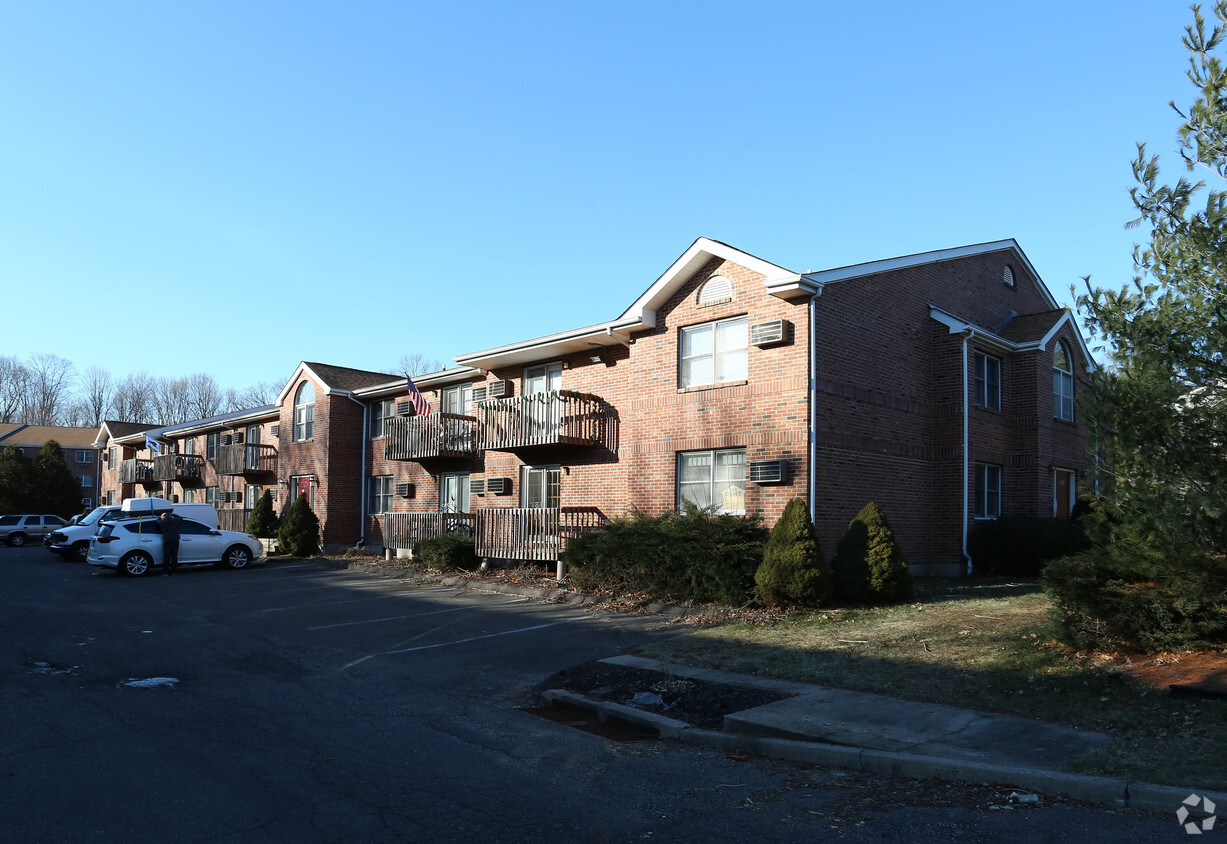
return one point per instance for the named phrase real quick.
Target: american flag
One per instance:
(153, 445)
(419, 402)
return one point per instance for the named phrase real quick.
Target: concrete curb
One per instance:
(1106, 791)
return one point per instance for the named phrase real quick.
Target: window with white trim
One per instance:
(458, 399)
(381, 411)
(988, 491)
(1062, 384)
(714, 480)
(304, 412)
(211, 495)
(211, 442)
(380, 490)
(988, 381)
(87, 480)
(714, 353)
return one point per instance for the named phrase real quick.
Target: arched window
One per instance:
(304, 412)
(716, 289)
(1062, 383)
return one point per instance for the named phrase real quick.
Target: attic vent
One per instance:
(404, 490)
(227, 439)
(766, 471)
(498, 486)
(402, 408)
(770, 333)
(498, 389)
(717, 289)
(274, 430)
(477, 486)
(1008, 276)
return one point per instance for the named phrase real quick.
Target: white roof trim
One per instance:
(988, 338)
(431, 379)
(905, 261)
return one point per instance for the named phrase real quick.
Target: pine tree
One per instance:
(299, 533)
(16, 482)
(262, 521)
(869, 566)
(793, 572)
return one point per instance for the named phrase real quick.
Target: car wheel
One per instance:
(237, 557)
(17, 539)
(136, 564)
(80, 552)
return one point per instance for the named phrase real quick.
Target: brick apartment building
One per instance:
(942, 385)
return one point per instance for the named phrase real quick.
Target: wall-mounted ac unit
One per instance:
(498, 486)
(766, 471)
(236, 497)
(404, 490)
(274, 430)
(477, 486)
(238, 438)
(402, 408)
(771, 333)
(226, 439)
(479, 393)
(498, 389)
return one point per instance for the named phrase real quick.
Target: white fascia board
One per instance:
(299, 371)
(1068, 318)
(220, 421)
(905, 261)
(977, 332)
(597, 335)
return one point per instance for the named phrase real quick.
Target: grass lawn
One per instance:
(983, 645)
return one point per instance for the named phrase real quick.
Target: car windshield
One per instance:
(93, 516)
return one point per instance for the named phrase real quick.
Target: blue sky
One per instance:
(235, 187)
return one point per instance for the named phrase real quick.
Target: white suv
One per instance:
(15, 530)
(134, 546)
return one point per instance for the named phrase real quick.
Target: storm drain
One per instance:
(613, 729)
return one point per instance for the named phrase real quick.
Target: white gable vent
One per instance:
(716, 289)
(770, 333)
(766, 471)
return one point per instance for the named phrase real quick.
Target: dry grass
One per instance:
(982, 645)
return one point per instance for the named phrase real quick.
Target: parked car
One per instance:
(17, 530)
(134, 546)
(72, 541)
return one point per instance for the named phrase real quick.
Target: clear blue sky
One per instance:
(234, 187)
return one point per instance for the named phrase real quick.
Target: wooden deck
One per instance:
(559, 418)
(433, 435)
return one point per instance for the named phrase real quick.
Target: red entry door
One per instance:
(1063, 494)
(304, 489)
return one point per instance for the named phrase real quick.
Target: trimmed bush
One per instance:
(793, 572)
(263, 521)
(299, 534)
(868, 566)
(687, 556)
(448, 552)
(1020, 546)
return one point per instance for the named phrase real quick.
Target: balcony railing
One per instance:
(136, 471)
(433, 435)
(404, 530)
(233, 519)
(562, 417)
(185, 468)
(246, 459)
(536, 533)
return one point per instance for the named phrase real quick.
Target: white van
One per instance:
(72, 541)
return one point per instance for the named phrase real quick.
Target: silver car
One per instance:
(17, 530)
(134, 546)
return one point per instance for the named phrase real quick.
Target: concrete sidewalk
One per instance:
(894, 737)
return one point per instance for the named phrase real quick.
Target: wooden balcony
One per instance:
(539, 533)
(246, 459)
(185, 468)
(404, 530)
(233, 519)
(433, 435)
(556, 418)
(136, 471)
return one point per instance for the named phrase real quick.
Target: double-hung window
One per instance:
(1062, 384)
(85, 456)
(988, 491)
(211, 442)
(988, 382)
(713, 480)
(381, 411)
(714, 353)
(380, 500)
(458, 399)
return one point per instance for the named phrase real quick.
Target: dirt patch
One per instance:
(1202, 670)
(697, 702)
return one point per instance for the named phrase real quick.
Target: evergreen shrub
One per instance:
(869, 566)
(263, 521)
(793, 572)
(448, 552)
(299, 533)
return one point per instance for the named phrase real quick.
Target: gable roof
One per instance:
(118, 430)
(1028, 332)
(337, 380)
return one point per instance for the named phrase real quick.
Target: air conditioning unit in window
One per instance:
(404, 490)
(403, 407)
(771, 333)
(226, 438)
(766, 471)
(498, 389)
(477, 486)
(274, 430)
(498, 486)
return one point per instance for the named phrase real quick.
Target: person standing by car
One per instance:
(170, 524)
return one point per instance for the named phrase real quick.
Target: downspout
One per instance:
(966, 449)
(362, 438)
(811, 417)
